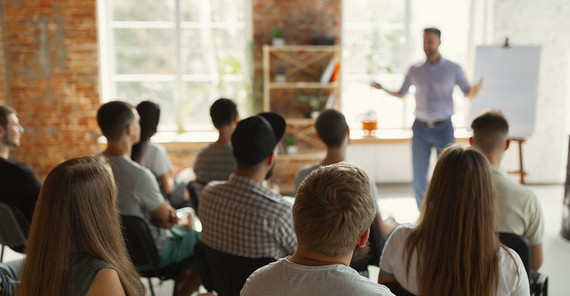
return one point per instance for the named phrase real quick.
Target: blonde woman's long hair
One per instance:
(76, 213)
(455, 237)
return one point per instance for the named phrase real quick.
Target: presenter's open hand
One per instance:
(376, 85)
(475, 89)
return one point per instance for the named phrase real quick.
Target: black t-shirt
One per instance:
(19, 186)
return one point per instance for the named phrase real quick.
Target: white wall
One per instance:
(546, 23)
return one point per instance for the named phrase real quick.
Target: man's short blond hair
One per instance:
(333, 208)
(490, 131)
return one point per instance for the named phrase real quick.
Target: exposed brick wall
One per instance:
(51, 58)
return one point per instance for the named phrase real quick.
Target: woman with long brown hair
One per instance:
(453, 250)
(75, 246)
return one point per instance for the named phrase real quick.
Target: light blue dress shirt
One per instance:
(434, 88)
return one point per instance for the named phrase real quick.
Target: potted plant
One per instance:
(281, 74)
(291, 144)
(313, 103)
(278, 37)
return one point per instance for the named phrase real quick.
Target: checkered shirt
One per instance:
(242, 217)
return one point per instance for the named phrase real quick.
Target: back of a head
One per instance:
(332, 209)
(255, 138)
(76, 213)
(5, 111)
(150, 117)
(490, 131)
(223, 112)
(113, 117)
(331, 127)
(456, 229)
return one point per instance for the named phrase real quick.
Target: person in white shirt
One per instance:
(519, 208)
(453, 250)
(332, 214)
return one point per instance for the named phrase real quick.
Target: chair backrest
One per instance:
(225, 273)
(139, 241)
(13, 227)
(195, 190)
(519, 244)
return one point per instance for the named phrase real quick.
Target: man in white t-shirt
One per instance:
(332, 213)
(519, 208)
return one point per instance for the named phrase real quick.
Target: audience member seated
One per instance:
(154, 157)
(75, 245)
(332, 214)
(18, 183)
(519, 208)
(241, 216)
(216, 162)
(333, 130)
(454, 250)
(139, 194)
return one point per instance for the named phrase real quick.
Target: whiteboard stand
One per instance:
(520, 171)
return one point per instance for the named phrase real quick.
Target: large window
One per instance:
(182, 54)
(382, 38)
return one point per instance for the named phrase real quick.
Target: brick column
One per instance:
(50, 63)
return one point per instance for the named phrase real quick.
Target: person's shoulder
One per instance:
(155, 147)
(15, 165)
(506, 186)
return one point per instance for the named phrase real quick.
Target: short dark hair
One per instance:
(331, 127)
(113, 117)
(5, 111)
(434, 30)
(223, 112)
(490, 130)
(150, 117)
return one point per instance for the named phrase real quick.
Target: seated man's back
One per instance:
(287, 278)
(138, 194)
(241, 216)
(519, 208)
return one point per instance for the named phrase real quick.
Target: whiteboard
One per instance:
(510, 84)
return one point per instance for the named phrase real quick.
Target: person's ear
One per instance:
(271, 158)
(364, 238)
(471, 141)
(129, 129)
(507, 144)
(236, 118)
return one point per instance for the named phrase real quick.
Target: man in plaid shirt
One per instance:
(241, 216)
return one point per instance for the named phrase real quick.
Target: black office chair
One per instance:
(143, 251)
(14, 229)
(195, 190)
(225, 273)
(373, 256)
(538, 282)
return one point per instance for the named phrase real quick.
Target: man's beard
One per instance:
(359, 252)
(270, 172)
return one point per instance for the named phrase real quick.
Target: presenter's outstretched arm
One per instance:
(474, 90)
(377, 85)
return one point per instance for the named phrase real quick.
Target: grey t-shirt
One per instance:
(287, 278)
(214, 162)
(139, 194)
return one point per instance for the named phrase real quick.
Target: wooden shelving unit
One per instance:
(304, 67)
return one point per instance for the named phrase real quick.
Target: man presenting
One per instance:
(434, 80)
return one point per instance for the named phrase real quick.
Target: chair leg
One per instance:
(2, 255)
(150, 286)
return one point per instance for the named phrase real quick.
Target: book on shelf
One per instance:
(328, 72)
(336, 72)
